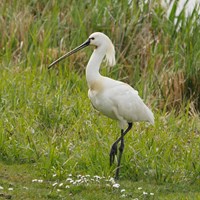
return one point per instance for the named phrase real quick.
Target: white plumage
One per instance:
(119, 101)
(115, 99)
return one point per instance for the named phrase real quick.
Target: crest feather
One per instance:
(110, 54)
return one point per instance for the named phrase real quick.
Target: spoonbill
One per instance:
(115, 99)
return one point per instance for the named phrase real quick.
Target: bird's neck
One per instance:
(92, 69)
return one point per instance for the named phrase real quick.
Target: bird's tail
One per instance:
(150, 116)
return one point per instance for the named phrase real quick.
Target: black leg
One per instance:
(121, 149)
(113, 150)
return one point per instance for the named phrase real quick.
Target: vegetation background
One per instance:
(51, 138)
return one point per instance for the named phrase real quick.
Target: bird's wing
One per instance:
(128, 103)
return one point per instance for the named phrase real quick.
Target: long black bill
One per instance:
(85, 44)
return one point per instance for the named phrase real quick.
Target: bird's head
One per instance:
(99, 40)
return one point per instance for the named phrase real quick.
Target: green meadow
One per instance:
(54, 145)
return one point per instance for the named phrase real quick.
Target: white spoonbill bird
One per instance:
(115, 99)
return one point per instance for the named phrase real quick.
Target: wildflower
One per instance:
(145, 193)
(123, 190)
(1, 188)
(54, 184)
(71, 146)
(40, 181)
(67, 186)
(10, 189)
(32, 130)
(61, 184)
(97, 177)
(139, 188)
(112, 180)
(151, 193)
(157, 149)
(79, 176)
(69, 179)
(84, 180)
(34, 180)
(79, 180)
(116, 185)
(54, 175)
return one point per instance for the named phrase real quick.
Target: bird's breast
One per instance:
(101, 103)
(96, 86)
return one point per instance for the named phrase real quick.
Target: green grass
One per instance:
(24, 182)
(48, 128)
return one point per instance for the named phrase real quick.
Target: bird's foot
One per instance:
(113, 153)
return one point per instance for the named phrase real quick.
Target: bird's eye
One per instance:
(92, 38)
